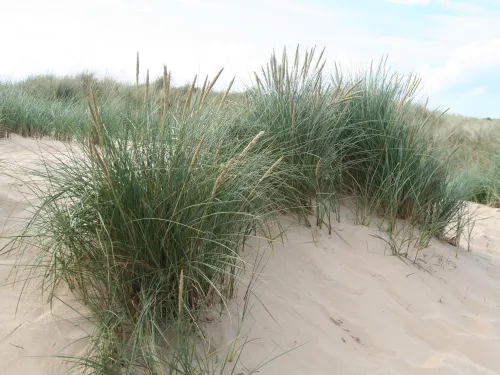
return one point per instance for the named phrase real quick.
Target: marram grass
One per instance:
(145, 216)
(147, 227)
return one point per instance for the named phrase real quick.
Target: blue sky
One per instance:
(454, 46)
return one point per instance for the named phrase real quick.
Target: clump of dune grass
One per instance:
(393, 169)
(486, 176)
(146, 226)
(304, 116)
(57, 106)
(358, 135)
(28, 113)
(476, 143)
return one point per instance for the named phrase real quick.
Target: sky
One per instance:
(453, 46)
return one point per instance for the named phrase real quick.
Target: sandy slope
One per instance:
(355, 310)
(339, 303)
(31, 336)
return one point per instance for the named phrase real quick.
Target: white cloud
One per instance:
(476, 91)
(458, 6)
(462, 6)
(463, 63)
(410, 2)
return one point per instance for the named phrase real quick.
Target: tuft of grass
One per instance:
(358, 135)
(146, 228)
(304, 117)
(477, 153)
(392, 168)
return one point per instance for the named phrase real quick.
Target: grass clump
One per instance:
(393, 170)
(487, 180)
(476, 143)
(361, 136)
(24, 112)
(146, 228)
(304, 117)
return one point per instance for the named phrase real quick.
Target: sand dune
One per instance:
(334, 304)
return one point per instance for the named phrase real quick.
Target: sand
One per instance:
(325, 304)
(33, 335)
